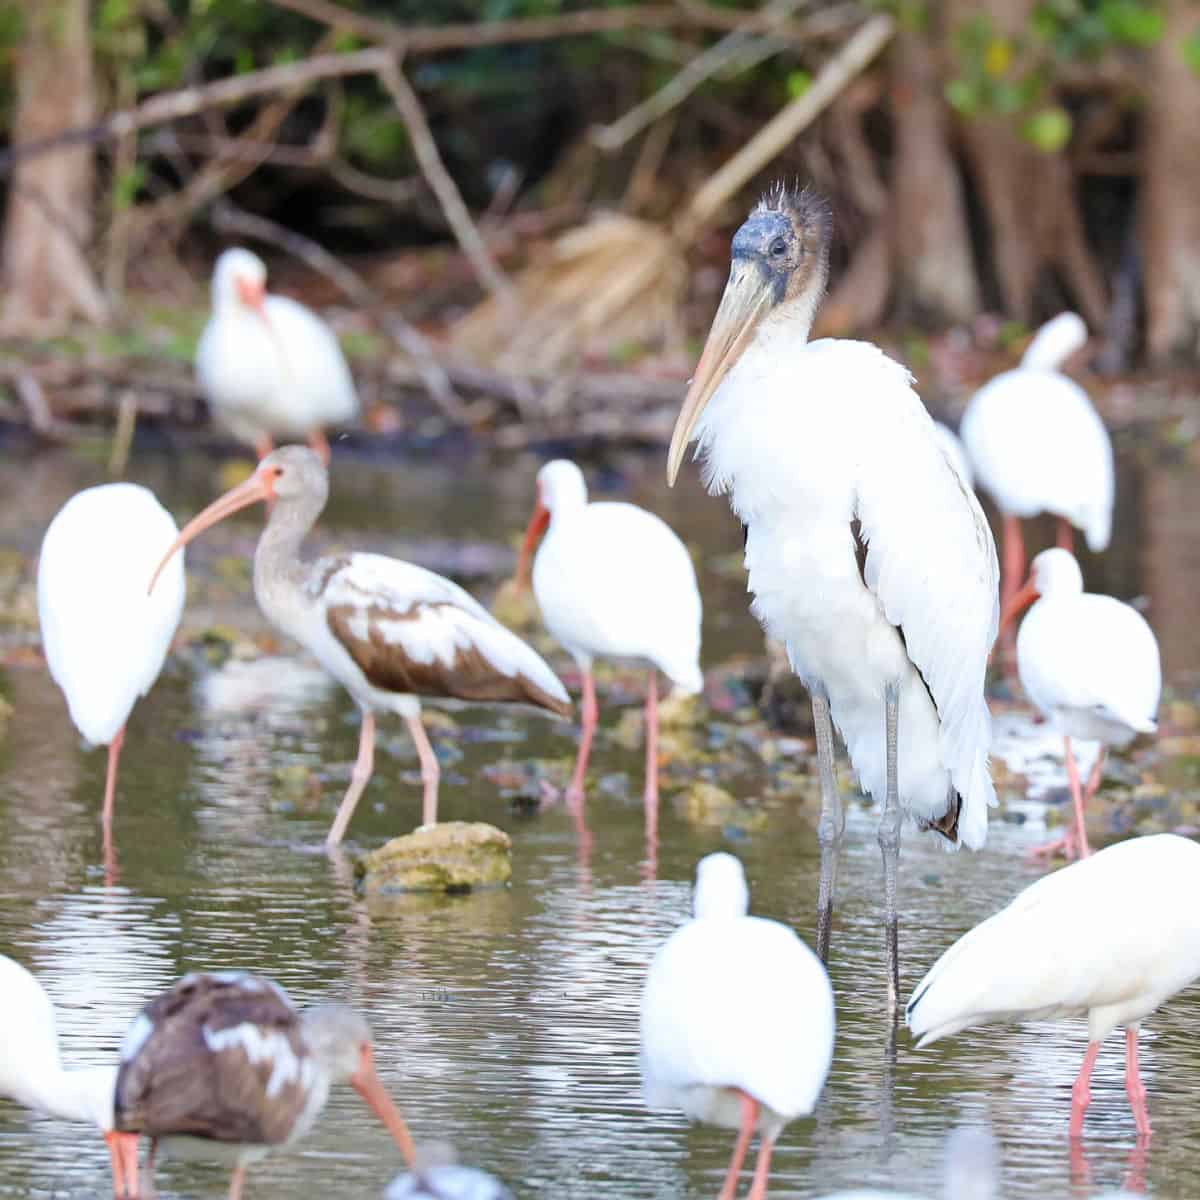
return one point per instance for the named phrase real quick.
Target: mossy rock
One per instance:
(457, 856)
(709, 805)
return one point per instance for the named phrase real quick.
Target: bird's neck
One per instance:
(793, 320)
(278, 565)
(79, 1095)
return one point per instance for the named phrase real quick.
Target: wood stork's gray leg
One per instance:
(889, 845)
(831, 824)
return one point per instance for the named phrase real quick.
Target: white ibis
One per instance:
(970, 1170)
(32, 1074)
(269, 367)
(868, 557)
(1090, 664)
(105, 639)
(388, 631)
(226, 1058)
(1037, 445)
(612, 580)
(437, 1176)
(737, 1020)
(1110, 937)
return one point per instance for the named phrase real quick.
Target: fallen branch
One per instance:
(442, 185)
(228, 219)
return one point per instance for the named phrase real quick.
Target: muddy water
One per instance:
(507, 1023)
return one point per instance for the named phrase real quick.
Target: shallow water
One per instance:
(507, 1022)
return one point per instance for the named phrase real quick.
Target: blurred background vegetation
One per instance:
(1007, 157)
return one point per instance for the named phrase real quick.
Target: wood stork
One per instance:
(867, 555)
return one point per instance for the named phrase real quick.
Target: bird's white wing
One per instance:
(410, 631)
(931, 562)
(314, 359)
(737, 1003)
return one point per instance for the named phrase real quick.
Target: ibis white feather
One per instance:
(104, 637)
(613, 580)
(269, 367)
(1036, 443)
(735, 1003)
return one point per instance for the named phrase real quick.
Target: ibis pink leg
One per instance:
(590, 716)
(1081, 1091)
(1012, 576)
(1097, 774)
(1074, 843)
(117, 1160)
(128, 1149)
(762, 1168)
(1064, 537)
(236, 1181)
(1081, 843)
(745, 1133)
(359, 778)
(263, 446)
(651, 794)
(318, 442)
(1134, 1088)
(110, 779)
(431, 771)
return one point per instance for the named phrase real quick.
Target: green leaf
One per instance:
(963, 96)
(798, 82)
(1191, 52)
(1049, 129)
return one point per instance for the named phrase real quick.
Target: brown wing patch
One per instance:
(387, 666)
(177, 1084)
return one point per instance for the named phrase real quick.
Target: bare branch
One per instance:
(228, 219)
(442, 185)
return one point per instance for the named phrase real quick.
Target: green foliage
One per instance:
(1191, 52)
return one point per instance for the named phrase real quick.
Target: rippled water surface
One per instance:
(506, 1022)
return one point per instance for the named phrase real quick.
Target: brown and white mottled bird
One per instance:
(226, 1058)
(388, 631)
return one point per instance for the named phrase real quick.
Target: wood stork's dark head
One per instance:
(779, 263)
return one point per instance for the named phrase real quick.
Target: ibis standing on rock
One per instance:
(104, 638)
(737, 1020)
(269, 367)
(226, 1058)
(32, 1074)
(1090, 664)
(612, 580)
(868, 556)
(1037, 445)
(388, 631)
(1110, 937)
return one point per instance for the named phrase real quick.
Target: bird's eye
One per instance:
(778, 248)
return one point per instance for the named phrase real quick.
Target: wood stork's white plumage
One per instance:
(867, 555)
(612, 580)
(32, 1074)
(1091, 665)
(225, 1058)
(955, 452)
(737, 1020)
(971, 1170)
(269, 367)
(388, 631)
(1036, 445)
(105, 639)
(1110, 937)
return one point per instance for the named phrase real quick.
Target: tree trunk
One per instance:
(48, 226)
(1168, 209)
(934, 272)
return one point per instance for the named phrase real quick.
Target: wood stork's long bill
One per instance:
(780, 262)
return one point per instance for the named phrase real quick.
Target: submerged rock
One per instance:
(710, 805)
(456, 856)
